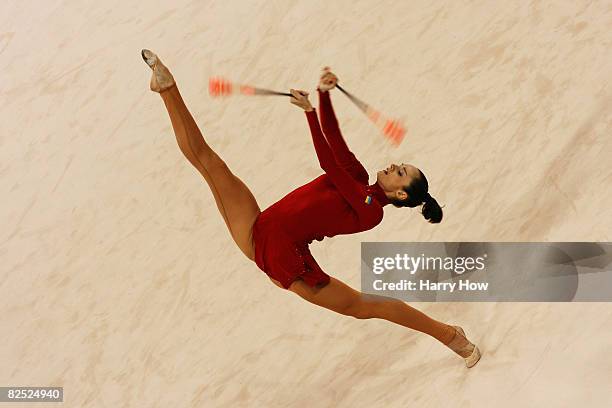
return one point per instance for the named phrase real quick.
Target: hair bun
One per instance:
(431, 209)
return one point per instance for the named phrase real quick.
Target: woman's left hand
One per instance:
(328, 80)
(300, 98)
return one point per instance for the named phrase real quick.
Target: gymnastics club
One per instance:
(391, 128)
(222, 87)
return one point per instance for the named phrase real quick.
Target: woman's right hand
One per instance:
(328, 80)
(300, 98)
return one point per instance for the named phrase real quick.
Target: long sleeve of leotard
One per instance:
(353, 191)
(344, 157)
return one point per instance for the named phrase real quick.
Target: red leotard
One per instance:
(337, 202)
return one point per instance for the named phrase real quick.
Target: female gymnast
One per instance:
(340, 201)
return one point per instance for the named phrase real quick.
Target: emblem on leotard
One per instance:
(368, 200)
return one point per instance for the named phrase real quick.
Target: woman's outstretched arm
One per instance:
(331, 129)
(345, 158)
(353, 191)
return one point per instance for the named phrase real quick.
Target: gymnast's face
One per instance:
(395, 178)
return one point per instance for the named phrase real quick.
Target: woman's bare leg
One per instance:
(343, 299)
(234, 200)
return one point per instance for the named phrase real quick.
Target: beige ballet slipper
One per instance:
(161, 79)
(465, 348)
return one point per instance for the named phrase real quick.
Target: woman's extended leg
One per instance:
(234, 200)
(343, 299)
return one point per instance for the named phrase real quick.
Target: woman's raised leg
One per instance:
(233, 198)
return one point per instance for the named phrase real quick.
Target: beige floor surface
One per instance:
(120, 283)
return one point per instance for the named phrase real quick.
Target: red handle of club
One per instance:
(392, 129)
(222, 87)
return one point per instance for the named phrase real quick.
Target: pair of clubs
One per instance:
(392, 129)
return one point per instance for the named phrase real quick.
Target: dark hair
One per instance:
(418, 194)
